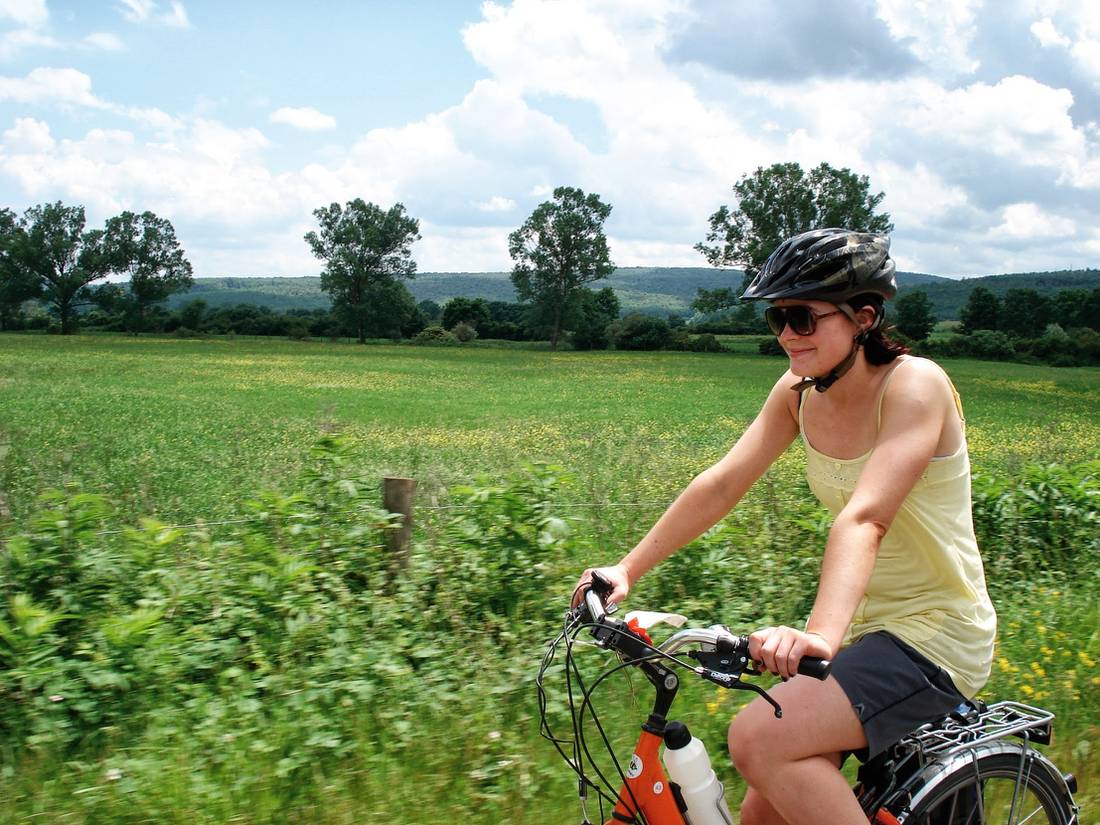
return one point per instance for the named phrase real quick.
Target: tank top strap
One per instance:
(886, 382)
(802, 396)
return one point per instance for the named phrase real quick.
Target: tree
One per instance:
(775, 203)
(598, 311)
(471, 311)
(1024, 313)
(1089, 314)
(145, 247)
(914, 315)
(18, 282)
(192, 314)
(558, 249)
(367, 252)
(1066, 305)
(430, 310)
(982, 311)
(63, 258)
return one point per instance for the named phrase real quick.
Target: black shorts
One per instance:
(893, 689)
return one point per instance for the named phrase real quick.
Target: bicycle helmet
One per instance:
(826, 265)
(833, 265)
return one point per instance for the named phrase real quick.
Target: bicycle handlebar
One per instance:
(716, 637)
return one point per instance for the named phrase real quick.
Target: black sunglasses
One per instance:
(801, 319)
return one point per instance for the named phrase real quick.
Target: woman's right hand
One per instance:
(616, 574)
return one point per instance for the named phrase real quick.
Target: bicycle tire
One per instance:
(979, 787)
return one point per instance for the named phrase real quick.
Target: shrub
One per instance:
(642, 332)
(435, 335)
(705, 343)
(991, 345)
(463, 332)
(770, 346)
(1044, 517)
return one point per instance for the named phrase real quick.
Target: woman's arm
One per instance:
(915, 409)
(711, 494)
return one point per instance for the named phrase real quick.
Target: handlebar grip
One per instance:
(817, 668)
(596, 595)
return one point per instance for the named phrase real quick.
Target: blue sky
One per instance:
(235, 120)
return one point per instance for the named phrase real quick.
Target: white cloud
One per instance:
(32, 13)
(28, 136)
(1047, 34)
(1027, 221)
(176, 17)
(19, 40)
(497, 203)
(306, 118)
(987, 118)
(149, 11)
(137, 11)
(70, 87)
(917, 196)
(47, 85)
(939, 31)
(106, 41)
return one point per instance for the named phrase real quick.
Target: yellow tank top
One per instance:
(928, 584)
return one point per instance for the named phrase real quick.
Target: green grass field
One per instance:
(187, 430)
(181, 428)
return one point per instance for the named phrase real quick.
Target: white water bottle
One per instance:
(688, 765)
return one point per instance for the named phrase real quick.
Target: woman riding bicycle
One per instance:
(901, 605)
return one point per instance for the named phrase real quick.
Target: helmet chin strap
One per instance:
(836, 373)
(823, 383)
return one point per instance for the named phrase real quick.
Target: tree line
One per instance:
(557, 252)
(48, 254)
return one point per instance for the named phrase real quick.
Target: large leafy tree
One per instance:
(472, 311)
(775, 203)
(914, 317)
(63, 257)
(18, 283)
(982, 311)
(558, 249)
(1024, 313)
(145, 248)
(367, 252)
(598, 310)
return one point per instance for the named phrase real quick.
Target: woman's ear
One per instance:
(868, 318)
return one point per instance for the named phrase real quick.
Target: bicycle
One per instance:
(974, 766)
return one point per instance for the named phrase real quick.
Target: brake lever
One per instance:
(734, 683)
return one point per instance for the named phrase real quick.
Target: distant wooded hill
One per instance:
(651, 290)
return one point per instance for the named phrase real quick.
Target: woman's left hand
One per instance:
(778, 650)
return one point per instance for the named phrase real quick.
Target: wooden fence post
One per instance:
(397, 497)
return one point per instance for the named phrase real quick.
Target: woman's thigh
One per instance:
(818, 720)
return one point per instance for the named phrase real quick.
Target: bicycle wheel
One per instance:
(1007, 785)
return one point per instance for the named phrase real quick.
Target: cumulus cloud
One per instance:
(31, 13)
(68, 88)
(938, 32)
(48, 85)
(800, 39)
(106, 41)
(305, 118)
(496, 204)
(149, 11)
(1047, 35)
(1027, 221)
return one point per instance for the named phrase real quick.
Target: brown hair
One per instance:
(878, 347)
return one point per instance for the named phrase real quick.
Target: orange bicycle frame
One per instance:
(647, 787)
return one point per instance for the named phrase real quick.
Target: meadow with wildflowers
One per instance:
(198, 623)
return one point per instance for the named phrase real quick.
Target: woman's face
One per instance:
(828, 345)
